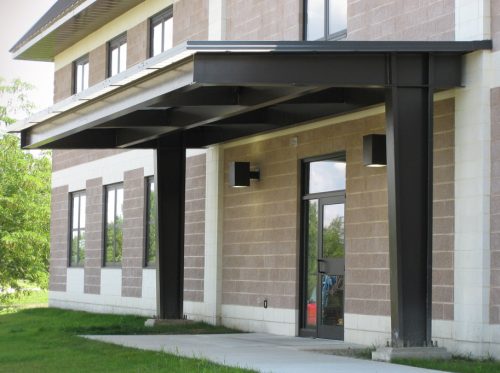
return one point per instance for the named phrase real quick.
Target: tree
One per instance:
(14, 100)
(24, 201)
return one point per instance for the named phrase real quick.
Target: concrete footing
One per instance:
(391, 353)
(153, 322)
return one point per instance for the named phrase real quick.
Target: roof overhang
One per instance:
(218, 91)
(66, 23)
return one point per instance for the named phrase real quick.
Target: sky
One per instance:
(17, 18)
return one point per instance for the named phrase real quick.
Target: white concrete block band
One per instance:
(110, 299)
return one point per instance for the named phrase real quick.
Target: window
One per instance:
(81, 72)
(113, 240)
(77, 224)
(161, 32)
(325, 19)
(117, 55)
(150, 222)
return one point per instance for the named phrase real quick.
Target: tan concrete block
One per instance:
(98, 65)
(137, 47)
(63, 83)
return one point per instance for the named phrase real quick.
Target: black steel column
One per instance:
(409, 115)
(170, 166)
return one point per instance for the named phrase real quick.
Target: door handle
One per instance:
(321, 269)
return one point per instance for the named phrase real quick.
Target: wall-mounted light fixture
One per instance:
(240, 174)
(374, 153)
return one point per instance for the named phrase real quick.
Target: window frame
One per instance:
(342, 34)
(79, 263)
(82, 61)
(107, 188)
(161, 17)
(113, 44)
(147, 222)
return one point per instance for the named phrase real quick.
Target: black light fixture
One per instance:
(374, 153)
(240, 174)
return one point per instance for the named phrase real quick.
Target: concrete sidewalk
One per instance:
(262, 352)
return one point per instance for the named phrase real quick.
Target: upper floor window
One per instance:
(77, 238)
(113, 233)
(161, 32)
(81, 74)
(150, 222)
(326, 19)
(117, 55)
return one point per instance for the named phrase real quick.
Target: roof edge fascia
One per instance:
(16, 53)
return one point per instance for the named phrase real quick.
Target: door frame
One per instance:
(338, 195)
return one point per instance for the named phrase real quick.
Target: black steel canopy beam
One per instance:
(220, 96)
(89, 139)
(342, 95)
(186, 118)
(361, 69)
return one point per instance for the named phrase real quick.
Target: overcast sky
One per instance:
(17, 18)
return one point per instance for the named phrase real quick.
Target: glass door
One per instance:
(323, 249)
(331, 271)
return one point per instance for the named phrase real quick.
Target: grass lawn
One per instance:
(33, 299)
(457, 364)
(45, 340)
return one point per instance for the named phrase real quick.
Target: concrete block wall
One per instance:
(190, 20)
(133, 232)
(260, 228)
(59, 239)
(98, 64)
(137, 45)
(66, 158)
(261, 223)
(495, 208)
(121, 289)
(63, 83)
(264, 20)
(495, 24)
(194, 229)
(444, 211)
(93, 236)
(401, 20)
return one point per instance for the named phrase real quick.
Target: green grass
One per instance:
(29, 299)
(36, 297)
(458, 364)
(45, 340)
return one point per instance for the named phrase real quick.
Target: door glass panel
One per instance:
(333, 231)
(312, 263)
(332, 300)
(326, 176)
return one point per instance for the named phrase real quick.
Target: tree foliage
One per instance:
(24, 201)
(14, 100)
